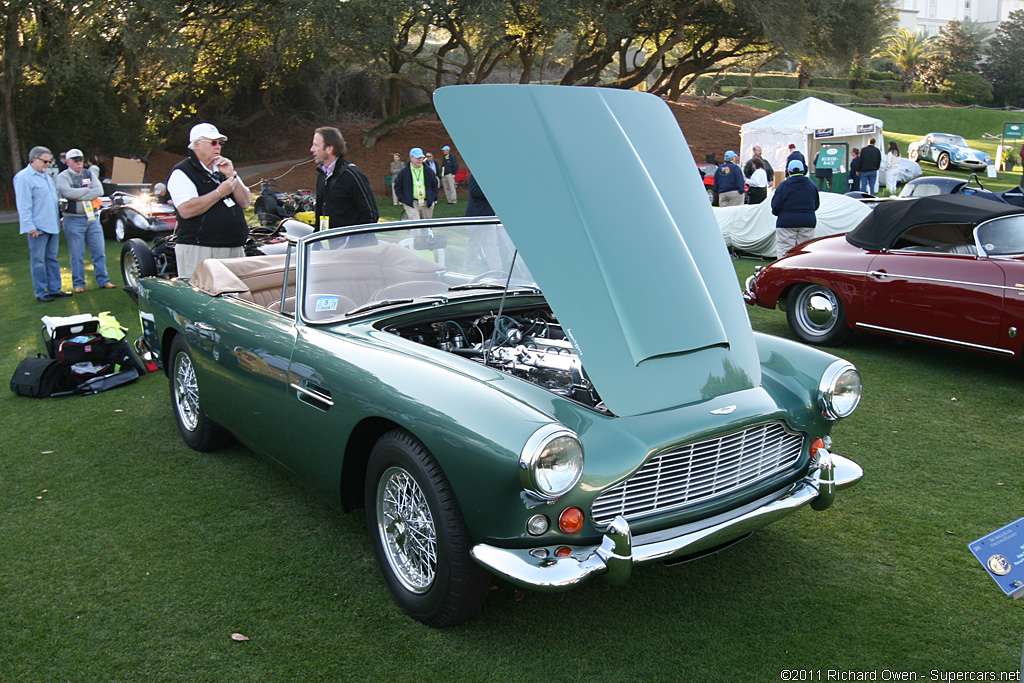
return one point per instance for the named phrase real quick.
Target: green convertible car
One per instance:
(570, 392)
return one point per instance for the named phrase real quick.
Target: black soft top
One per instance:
(882, 227)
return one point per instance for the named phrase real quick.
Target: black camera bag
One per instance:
(38, 377)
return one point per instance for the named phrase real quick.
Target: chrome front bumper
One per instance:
(619, 550)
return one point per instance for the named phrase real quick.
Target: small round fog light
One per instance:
(571, 520)
(537, 525)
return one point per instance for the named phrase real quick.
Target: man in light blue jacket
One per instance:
(36, 197)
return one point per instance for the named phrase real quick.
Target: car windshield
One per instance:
(951, 140)
(1002, 236)
(353, 273)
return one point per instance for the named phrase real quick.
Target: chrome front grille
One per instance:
(699, 471)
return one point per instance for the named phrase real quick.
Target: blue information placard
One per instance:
(1001, 553)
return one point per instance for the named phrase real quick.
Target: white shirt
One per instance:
(181, 188)
(758, 179)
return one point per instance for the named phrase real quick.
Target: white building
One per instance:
(928, 16)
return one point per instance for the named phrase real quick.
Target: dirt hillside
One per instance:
(708, 130)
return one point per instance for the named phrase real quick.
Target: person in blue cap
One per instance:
(729, 182)
(416, 187)
(794, 205)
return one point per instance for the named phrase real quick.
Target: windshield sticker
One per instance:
(327, 303)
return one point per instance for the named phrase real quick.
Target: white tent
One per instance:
(808, 124)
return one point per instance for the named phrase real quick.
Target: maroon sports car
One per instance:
(947, 269)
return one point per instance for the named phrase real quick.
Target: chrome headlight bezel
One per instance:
(551, 448)
(840, 389)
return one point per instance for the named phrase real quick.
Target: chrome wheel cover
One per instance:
(130, 269)
(120, 230)
(407, 531)
(817, 310)
(186, 392)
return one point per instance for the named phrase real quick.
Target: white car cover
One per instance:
(907, 171)
(750, 228)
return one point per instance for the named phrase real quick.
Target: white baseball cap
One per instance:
(74, 153)
(206, 131)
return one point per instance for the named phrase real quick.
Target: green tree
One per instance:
(958, 50)
(1002, 67)
(909, 51)
(966, 88)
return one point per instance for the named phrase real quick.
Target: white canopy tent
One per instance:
(808, 124)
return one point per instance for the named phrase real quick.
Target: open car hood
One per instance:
(600, 193)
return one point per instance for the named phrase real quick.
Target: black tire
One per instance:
(913, 154)
(136, 263)
(816, 315)
(943, 162)
(430, 573)
(197, 430)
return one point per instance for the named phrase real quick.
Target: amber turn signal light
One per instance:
(571, 520)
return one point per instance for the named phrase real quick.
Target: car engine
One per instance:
(530, 345)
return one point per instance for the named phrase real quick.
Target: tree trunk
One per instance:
(908, 80)
(803, 73)
(389, 124)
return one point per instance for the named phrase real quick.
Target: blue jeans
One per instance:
(867, 181)
(42, 260)
(81, 233)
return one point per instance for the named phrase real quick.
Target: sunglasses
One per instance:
(216, 143)
(45, 161)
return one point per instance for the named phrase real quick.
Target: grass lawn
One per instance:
(126, 556)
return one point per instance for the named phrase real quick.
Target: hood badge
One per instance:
(723, 411)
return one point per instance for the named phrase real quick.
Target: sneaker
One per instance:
(57, 295)
(45, 298)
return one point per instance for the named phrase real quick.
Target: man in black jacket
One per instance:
(870, 161)
(343, 194)
(209, 200)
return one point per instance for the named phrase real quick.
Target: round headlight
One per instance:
(840, 390)
(138, 219)
(551, 462)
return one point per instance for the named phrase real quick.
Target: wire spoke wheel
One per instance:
(186, 392)
(197, 430)
(407, 530)
(419, 538)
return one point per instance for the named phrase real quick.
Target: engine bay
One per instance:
(528, 344)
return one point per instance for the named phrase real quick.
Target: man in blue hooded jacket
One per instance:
(794, 204)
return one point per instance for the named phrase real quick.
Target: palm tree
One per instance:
(908, 51)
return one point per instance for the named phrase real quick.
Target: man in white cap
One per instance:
(416, 187)
(449, 167)
(82, 228)
(729, 182)
(209, 199)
